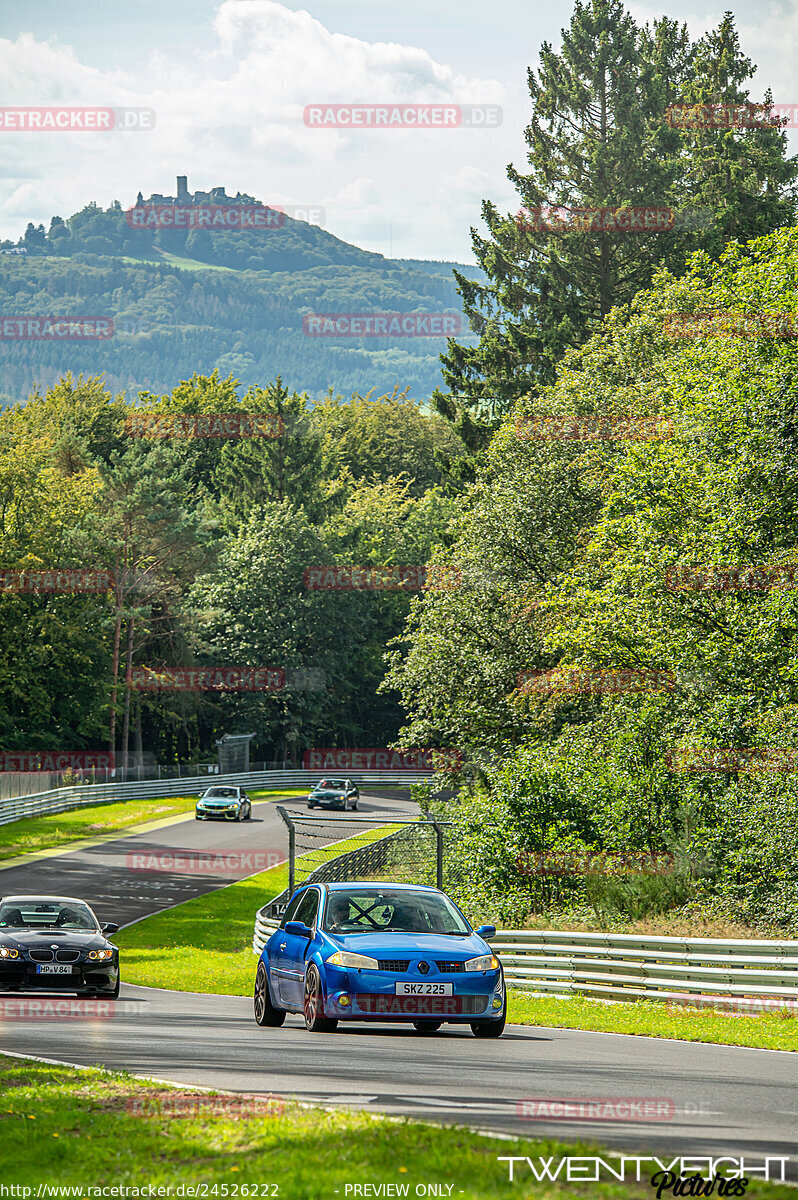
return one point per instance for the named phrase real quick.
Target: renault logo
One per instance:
(423, 967)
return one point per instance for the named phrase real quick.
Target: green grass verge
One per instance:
(59, 829)
(652, 1018)
(146, 1134)
(205, 944)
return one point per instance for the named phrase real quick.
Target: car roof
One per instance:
(383, 884)
(45, 900)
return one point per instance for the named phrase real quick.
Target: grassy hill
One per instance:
(186, 301)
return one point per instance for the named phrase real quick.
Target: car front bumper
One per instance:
(371, 996)
(21, 975)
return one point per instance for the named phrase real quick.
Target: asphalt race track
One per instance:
(725, 1100)
(120, 887)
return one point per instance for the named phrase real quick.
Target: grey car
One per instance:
(225, 803)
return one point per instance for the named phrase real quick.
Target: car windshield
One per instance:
(392, 911)
(30, 914)
(221, 793)
(334, 785)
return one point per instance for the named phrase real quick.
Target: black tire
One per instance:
(488, 1029)
(265, 1012)
(312, 1004)
(427, 1026)
(115, 993)
(354, 807)
(311, 805)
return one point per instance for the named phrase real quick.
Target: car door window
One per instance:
(309, 906)
(292, 907)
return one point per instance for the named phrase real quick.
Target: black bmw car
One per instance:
(334, 793)
(55, 944)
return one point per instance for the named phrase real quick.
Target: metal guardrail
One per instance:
(723, 973)
(750, 976)
(60, 799)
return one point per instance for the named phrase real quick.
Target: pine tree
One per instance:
(740, 172)
(599, 139)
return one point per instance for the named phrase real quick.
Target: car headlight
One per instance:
(8, 952)
(485, 962)
(342, 958)
(99, 955)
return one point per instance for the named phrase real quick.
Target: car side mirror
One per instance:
(298, 929)
(486, 931)
(110, 927)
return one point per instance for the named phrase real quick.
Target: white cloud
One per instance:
(234, 117)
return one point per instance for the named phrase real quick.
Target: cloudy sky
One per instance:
(229, 82)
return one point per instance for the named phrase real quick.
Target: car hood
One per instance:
(330, 793)
(411, 945)
(44, 939)
(220, 801)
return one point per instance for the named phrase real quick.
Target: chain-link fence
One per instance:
(440, 853)
(338, 848)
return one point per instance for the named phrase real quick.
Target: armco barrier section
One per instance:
(60, 799)
(748, 976)
(724, 973)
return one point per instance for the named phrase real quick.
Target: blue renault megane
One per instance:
(379, 952)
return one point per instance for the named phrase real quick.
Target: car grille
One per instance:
(42, 955)
(393, 964)
(420, 1006)
(450, 967)
(67, 956)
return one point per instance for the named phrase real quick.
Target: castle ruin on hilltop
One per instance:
(216, 195)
